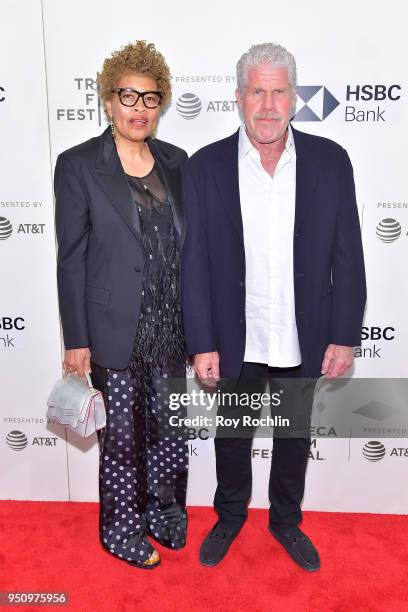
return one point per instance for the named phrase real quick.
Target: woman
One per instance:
(119, 222)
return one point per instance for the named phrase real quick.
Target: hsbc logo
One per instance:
(316, 103)
(373, 92)
(14, 325)
(371, 103)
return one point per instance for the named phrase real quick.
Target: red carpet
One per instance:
(54, 547)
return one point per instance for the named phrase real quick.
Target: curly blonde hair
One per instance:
(141, 57)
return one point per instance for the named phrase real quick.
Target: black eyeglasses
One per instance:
(130, 97)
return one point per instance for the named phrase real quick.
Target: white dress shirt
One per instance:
(268, 217)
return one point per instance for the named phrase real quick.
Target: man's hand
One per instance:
(207, 368)
(336, 360)
(78, 361)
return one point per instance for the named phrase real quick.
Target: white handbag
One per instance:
(74, 403)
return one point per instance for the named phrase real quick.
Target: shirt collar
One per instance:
(245, 146)
(290, 142)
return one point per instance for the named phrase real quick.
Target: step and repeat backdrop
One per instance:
(352, 88)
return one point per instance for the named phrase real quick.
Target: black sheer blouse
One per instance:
(159, 338)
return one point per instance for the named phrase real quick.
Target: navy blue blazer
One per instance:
(100, 248)
(328, 265)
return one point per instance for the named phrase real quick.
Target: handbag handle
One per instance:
(88, 380)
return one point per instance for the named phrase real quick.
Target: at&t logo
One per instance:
(16, 440)
(188, 106)
(6, 229)
(374, 450)
(388, 230)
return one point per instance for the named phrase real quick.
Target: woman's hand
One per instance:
(77, 361)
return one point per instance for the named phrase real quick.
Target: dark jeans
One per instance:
(289, 456)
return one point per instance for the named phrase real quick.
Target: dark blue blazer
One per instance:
(100, 247)
(329, 278)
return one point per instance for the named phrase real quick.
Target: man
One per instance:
(273, 280)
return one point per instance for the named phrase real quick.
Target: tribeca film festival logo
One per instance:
(17, 440)
(371, 102)
(6, 228)
(90, 107)
(315, 453)
(372, 334)
(11, 329)
(2, 94)
(374, 451)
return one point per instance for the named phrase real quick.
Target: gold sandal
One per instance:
(152, 562)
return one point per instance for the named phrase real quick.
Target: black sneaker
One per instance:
(216, 544)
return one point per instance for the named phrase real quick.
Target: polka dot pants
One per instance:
(143, 468)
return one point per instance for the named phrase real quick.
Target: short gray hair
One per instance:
(265, 53)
